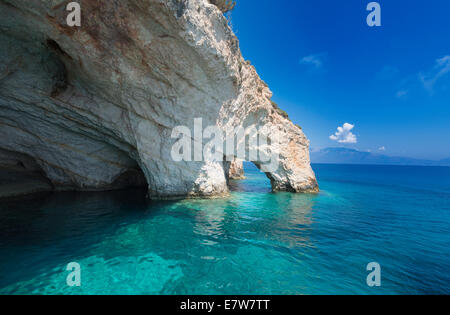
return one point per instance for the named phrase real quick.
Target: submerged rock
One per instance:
(94, 106)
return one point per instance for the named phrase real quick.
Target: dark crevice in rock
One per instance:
(57, 67)
(180, 7)
(53, 45)
(132, 178)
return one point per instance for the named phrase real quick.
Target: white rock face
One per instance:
(237, 170)
(94, 105)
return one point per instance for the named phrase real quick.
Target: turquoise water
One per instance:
(253, 242)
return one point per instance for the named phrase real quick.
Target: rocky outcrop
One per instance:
(237, 170)
(224, 5)
(94, 106)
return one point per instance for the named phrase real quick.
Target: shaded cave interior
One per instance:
(21, 175)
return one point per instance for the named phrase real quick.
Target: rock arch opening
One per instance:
(246, 176)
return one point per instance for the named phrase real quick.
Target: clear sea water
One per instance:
(254, 242)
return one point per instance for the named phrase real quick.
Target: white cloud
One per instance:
(315, 60)
(344, 134)
(441, 68)
(382, 148)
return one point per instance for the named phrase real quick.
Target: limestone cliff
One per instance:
(94, 106)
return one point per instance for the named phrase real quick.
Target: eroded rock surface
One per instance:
(94, 105)
(237, 170)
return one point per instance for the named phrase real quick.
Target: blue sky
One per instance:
(327, 67)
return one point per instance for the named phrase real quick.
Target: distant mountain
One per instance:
(351, 156)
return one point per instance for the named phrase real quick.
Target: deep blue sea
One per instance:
(254, 242)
